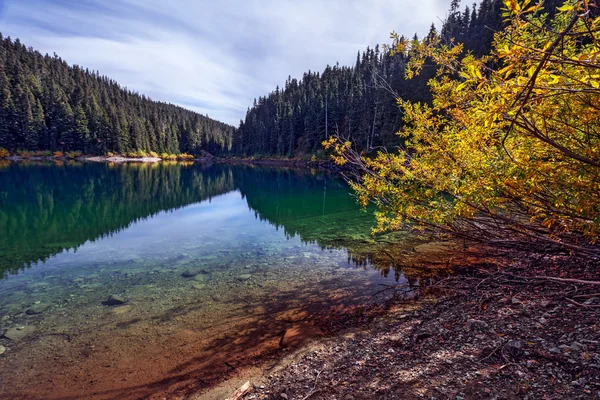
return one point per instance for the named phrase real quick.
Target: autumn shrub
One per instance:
(509, 149)
(185, 156)
(73, 154)
(167, 156)
(25, 153)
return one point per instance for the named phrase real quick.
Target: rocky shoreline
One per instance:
(492, 330)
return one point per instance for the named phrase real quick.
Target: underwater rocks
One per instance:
(37, 309)
(199, 278)
(121, 310)
(18, 333)
(114, 300)
(190, 273)
(297, 334)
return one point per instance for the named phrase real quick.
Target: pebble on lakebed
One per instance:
(18, 333)
(114, 300)
(121, 310)
(37, 309)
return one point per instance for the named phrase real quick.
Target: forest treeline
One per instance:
(356, 102)
(46, 104)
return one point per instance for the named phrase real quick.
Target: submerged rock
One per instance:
(298, 334)
(114, 300)
(37, 309)
(190, 273)
(121, 310)
(18, 333)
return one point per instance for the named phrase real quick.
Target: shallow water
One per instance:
(212, 264)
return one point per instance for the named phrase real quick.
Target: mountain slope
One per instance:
(45, 104)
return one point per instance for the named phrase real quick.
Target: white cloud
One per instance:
(212, 57)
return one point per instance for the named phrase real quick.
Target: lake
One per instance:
(124, 280)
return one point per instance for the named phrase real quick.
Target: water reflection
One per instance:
(48, 208)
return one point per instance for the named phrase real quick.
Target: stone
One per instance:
(192, 272)
(297, 334)
(121, 310)
(546, 303)
(18, 333)
(515, 344)
(575, 346)
(2, 349)
(244, 277)
(476, 323)
(37, 309)
(189, 273)
(554, 350)
(114, 300)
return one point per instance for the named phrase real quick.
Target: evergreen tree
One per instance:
(45, 104)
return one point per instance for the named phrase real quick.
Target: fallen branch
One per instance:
(313, 390)
(567, 280)
(553, 279)
(580, 304)
(241, 391)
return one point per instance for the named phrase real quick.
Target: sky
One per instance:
(211, 56)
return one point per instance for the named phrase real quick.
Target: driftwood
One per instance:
(241, 391)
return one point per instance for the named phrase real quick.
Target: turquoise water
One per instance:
(216, 259)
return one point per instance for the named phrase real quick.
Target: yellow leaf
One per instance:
(566, 7)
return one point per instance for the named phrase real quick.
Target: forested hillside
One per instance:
(45, 104)
(357, 102)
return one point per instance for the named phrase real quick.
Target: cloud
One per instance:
(212, 57)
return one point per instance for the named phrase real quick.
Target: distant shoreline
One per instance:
(328, 165)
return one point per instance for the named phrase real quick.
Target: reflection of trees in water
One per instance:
(319, 209)
(47, 208)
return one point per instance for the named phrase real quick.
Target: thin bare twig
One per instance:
(313, 390)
